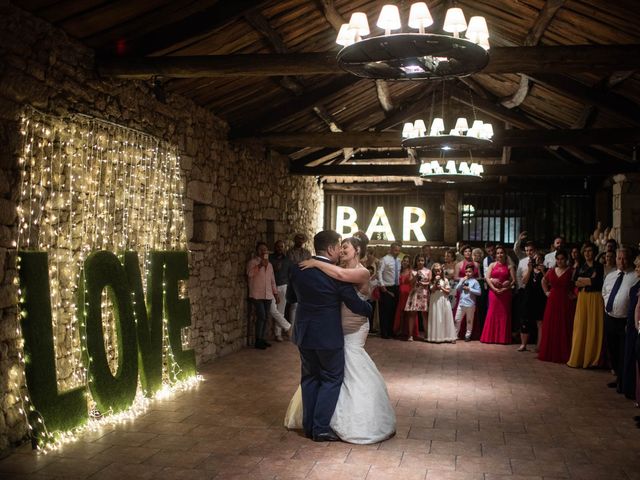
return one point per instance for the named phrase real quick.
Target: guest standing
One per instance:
(426, 253)
(615, 293)
(631, 338)
(609, 262)
(576, 258)
(405, 323)
(534, 302)
(389, 278)
(483, 300)
(281, 265)
(262, 290)
(440, 326)
(588, 322)
(468, 291)
(500, 279)
(519, 313)
(418, 301)
(449, 270)
(550, 258)
(557, 323)
(296, 254)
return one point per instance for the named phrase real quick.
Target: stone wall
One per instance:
(235, 195)
(626, 209)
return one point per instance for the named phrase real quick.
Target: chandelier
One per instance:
(463, 172)
(460, 137)
(412, 56)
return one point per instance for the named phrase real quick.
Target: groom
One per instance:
(318, 334)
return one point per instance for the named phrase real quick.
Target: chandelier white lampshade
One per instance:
(464, 168)
(437, 126)
(346, 36)
(389, 19)
(419, 16)
(359, 24)
(484, 43)
(454, 21)
(451, 167)
(477, 29)
(461, 124)
(407, 130)
(487, 130)
(420, 127)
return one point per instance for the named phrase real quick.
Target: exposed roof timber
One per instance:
(277, 114)
(516, 119)
(192, 28)
(511, 138)
(533, 37)
(514, 169)
(599, 97)
(558, 59)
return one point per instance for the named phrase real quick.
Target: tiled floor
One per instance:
(465, 411)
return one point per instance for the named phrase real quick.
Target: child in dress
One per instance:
(418, 300)
(440, 327)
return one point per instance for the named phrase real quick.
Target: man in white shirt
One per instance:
(490, 250)
(518, 302)
(615, 292)
(550, 258)
(389, 278)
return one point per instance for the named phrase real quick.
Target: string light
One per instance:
(86, 185)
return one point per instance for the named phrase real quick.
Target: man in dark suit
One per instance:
(318, 335)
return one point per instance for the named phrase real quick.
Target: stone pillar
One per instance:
(450, 217)
(626, 209)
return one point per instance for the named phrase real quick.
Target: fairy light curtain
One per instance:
(87, 185)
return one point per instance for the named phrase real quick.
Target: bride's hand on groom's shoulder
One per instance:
(310, 263)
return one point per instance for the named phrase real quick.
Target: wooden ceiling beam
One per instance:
(537, 169)
(508, 138)
(558, 59)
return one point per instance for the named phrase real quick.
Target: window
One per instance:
(500, 217)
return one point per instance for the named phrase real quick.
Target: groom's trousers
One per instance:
(321, 380)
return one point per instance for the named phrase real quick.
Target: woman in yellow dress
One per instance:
(588, 322)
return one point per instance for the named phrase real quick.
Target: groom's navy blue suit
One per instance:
(318, 334)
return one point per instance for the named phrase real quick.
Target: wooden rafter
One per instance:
(525, 169)
(507, 138)
(558, 59)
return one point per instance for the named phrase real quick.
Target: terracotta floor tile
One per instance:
(374, 457)
(442, 434)
(127, 471)
(434, 474)
(390, 473)
(172, 458)
(406, 445)
(456, 448)
(120, 454)
(428, 460)
(72, 468)
(338, 471)
(483, 465)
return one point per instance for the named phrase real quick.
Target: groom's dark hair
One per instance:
(324, 239)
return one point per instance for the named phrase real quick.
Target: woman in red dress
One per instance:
(500, 278)
(405, 324)
(557, 323)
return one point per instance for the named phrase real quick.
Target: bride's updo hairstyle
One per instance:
(359, 240)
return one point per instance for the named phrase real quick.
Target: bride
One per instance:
(363, 413)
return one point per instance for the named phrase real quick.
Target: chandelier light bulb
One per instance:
(389, 19)
(359, 24)
(477, 29)
(461, 124)
(346, 36)
(454, 21)
(419, 16)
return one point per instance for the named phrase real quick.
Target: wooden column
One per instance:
(450, 217)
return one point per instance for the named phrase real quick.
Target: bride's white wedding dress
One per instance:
(363, 413)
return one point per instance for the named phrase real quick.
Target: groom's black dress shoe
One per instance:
(326, 437)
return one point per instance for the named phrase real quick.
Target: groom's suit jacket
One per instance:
(318, 323)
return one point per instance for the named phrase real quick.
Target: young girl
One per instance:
(418, 300)
(440, 327)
